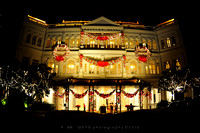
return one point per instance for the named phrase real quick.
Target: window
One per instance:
(167, 65)
(152, 67)
(126, 42)
(133, 67)
(34, 40)
(147, 69)
(162, 44)
(28, 38)
(169, 43)
(53, 42)
(70, 66)
(113, 69)
(149, 44)
(48, 43)
(131, 43)
(136, 43)
(51, 65)
(39, 42)
(154, 45)
(72, 43)
(173, 41)
(92, 43)
(91, 70)
(178, 65)
(67, 41)
(77, 42)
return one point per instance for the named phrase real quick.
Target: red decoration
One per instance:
(102, 38)
(142, 58)
(81, 56)
(102, 63)
(79, 95)
(104, 95)
(59, 58)
(129, 95)
(57, 55)
(142, 53)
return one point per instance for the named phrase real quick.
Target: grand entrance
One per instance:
(113, 94)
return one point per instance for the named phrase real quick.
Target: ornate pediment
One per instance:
(102, 23)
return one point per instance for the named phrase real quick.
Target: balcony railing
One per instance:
(99, 46)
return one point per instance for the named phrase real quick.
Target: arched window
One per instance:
(70, 66)
(39, 42)
(131, 43)
(113, 69)
(72, 43)
(28, 38)
(173, 41)
(126, 42)
(178, 65)
(149, 44)
(34, 40)
(152, 67)
(154, 45)
(53, 41)
(50, 63)
(169, 43)
(163, 44)
(167, 65)
(136, 43)
(91, 68)
(133, 67)
(77, 42)
(48, 43)
(67, 41)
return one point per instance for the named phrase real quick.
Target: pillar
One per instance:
(118, 96)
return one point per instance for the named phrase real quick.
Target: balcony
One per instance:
(103, 47)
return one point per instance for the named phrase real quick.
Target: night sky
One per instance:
(151, 14)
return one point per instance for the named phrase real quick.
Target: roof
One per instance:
(102, 82)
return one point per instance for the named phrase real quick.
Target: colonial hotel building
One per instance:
(103, 62)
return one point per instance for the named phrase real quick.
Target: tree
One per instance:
(28, 82)
(178, 81)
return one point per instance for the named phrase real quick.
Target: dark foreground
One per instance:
(72, 121)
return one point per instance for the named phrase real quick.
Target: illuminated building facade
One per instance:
(101, 62)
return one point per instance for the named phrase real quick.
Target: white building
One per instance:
(103, 61)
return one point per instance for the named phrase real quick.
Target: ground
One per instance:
(78, 121)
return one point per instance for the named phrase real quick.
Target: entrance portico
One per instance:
(94, 93)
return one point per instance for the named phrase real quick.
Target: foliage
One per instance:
(25, 82)
(179, 81)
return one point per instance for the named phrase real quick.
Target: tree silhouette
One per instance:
(29, 82)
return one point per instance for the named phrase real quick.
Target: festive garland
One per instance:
(130, 95)
(59, 57)
(79, 95)
(102, 38)
(101, 63)
(142, 53)
(104, 95)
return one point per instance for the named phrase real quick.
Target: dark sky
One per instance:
(151, 13)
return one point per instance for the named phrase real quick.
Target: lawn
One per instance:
(78, 121)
